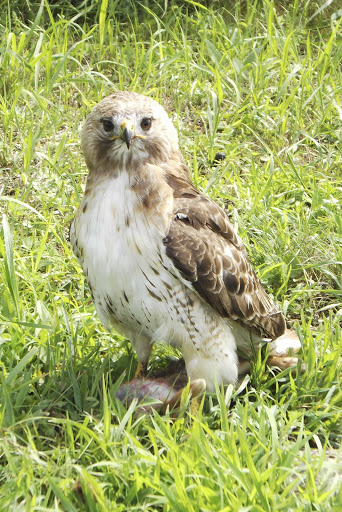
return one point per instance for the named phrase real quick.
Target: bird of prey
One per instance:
(163, 261)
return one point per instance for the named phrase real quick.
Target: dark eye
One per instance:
(146, 123)
(108, 126)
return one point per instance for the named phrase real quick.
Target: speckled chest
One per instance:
(118, 237)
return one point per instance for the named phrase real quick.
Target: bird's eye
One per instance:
(108, 126)
(146, 123)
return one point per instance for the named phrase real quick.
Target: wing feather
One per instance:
(209, 254)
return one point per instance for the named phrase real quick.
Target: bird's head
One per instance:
(125, 130)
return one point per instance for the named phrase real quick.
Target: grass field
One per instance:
(258, 80)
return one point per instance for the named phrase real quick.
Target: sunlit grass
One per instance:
(259, 81)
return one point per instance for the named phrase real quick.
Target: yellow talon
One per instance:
(141, 370)
(195, 405)
(197, 388)
(126, 123)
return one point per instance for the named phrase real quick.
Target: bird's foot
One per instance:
(141, 370)
(197, 388)
(195, 405)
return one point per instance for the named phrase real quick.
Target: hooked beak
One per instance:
(127, 131)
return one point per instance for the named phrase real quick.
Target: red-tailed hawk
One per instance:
(162, 261)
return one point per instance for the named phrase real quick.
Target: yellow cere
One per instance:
(129, 124)
(126, 123)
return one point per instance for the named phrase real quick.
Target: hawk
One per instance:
(163, 261)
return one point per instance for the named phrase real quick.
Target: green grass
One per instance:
(260, 81)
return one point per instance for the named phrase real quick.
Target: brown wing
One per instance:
(206, 250)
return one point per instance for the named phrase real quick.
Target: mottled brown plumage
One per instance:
(204, 247)
(163, 261)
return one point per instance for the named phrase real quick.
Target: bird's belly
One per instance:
(119, 242)
(135, 294)
(132, 288)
